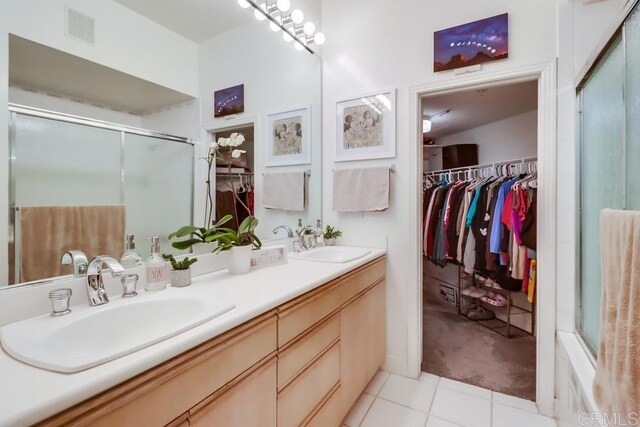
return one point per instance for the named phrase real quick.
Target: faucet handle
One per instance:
(79, 261)
(129, 285)
(60, 301)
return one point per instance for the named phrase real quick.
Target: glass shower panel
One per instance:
(632, 95)
(158, 183)
(602, 175)
(65, 164)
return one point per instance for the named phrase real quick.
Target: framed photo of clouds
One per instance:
(288, 138)
(366, 127)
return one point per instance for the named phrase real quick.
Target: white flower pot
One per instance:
(330, 242)
(181, 278)
(240, 259)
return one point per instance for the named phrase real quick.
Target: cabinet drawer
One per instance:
(300, 353)
(299, 399)
(157, 396)
(303, 312)
(330, 414)
(251, 401)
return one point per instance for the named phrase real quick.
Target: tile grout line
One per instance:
(367, 411)
(433, 399)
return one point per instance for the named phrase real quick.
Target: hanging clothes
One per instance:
(487, 225)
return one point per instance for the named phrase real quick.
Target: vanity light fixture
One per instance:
(291, 23)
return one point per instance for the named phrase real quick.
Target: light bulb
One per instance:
(319, 39)
(287, 37)
(298, 46)
(244, 4)
(274, 27)
(309, 28)
(258, 14)
(297, 16)
(426, 125)
(284, 5)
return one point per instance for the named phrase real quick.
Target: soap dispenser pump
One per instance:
(155, 268)
(130, 258)
(320, 233)
(299, 228)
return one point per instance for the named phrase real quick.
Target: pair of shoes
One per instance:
(480, 313)
(477, 292)
(494, 299)
(492, 284)
(480, 279)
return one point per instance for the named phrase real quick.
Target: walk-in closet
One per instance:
(479, 237)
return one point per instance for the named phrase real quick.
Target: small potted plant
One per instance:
(180, 270)
(198, 237)
(330, 235)
(240, 243)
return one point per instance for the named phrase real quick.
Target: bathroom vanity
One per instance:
(299, 350)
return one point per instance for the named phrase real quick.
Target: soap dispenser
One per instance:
(130, 258)
(155, 268)
(299, 228)
(320, 237)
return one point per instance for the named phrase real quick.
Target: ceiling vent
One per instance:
(79, 26)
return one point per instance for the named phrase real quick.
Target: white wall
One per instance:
(276, 78)
(511, 138)
(67, 106)
(392, 46)
(125, 40)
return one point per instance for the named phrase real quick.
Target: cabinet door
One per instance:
(250, 401)
(375, 353)
(353, 339)
(362, 337)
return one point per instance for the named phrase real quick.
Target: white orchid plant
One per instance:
(224, 149)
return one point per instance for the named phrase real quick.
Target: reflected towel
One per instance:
(616, 385)
(285, 191)
(361, 190)
(48, 232)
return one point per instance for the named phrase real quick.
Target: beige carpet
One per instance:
(456, 348)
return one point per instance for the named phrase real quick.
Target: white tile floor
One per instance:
(430, 401)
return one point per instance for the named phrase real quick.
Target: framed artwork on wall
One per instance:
(366, 127)
(288, 136)
(229, 101)
(471, 44)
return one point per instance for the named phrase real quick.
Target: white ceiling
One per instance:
(478, 107)
(75, 78)
(197, 20)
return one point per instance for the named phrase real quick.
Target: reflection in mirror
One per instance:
(112, 111)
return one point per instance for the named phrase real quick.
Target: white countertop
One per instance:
(29, 395)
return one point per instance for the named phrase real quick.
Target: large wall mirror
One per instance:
(113, 107)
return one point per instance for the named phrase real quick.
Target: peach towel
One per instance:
(48, 232)
(617, 382)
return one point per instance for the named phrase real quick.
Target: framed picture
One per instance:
(471, 44)
(229, 101)
(366, 127)
(289, 138)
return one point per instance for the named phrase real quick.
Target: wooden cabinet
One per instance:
(362, 331)
(303, 363)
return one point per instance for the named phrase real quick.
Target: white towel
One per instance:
(361, 190)
(285, 191)
(616, 386)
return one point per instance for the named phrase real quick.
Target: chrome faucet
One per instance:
(303, 232)
(95, 285)
(285, 228)
(79, 261)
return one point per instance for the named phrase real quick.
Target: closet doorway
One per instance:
(233, 175)
(479, 231)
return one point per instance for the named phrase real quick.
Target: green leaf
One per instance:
(184, 231)
(223, 221)
(249, 224)
(256, 242)
(185, 244)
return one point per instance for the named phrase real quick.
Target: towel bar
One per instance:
(392, 168)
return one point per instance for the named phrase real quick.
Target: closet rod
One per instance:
(486, 165)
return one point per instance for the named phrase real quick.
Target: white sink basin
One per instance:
(90, 336)
(334, 254)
